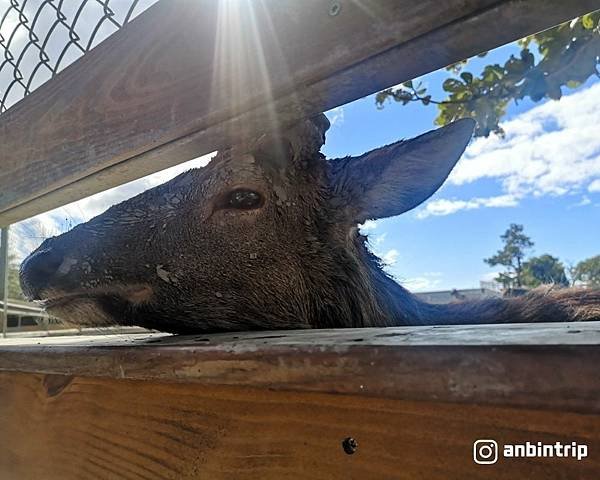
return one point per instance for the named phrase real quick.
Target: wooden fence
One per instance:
(163, 90)
(281, 404)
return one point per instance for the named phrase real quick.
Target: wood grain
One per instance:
(170, 86)
(384, 363)
(83, 428)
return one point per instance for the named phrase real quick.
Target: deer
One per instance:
(266, 236)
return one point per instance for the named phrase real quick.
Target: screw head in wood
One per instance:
(350, 445)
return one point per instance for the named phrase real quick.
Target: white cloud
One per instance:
(594, 186)
(426, 282)
(552, 149)
(445, 206)
(336, 116)
(368, 226)
(390, 257)
(585, 200)
(377, 240)
(26, 236)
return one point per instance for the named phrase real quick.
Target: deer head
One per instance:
(264, 236)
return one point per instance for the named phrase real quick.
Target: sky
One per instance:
(545, 174)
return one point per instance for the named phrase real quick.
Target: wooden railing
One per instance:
(163, 89)
(278, 405)
(271, 405)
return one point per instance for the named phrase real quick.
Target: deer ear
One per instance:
(396, 178)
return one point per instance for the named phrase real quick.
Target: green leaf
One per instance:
(381, 97)
(527, 57)
(553, 91)
(408, 84)
(452, 85)
(568, 56)
(515, 66)
(587, 21)
(467, 77)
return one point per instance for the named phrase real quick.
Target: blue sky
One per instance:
(441, 244)
(545, 175)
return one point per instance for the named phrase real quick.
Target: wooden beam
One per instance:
(550, 366)
(56, 427)
(4, 278)
(188, 77)
(280, 404)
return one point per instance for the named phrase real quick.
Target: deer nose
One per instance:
(37, 270)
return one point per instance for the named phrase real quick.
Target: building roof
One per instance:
(455, 295)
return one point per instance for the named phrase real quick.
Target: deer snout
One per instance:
(39, 269)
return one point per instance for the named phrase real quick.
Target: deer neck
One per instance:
(360, 294)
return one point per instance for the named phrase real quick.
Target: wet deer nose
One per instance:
(37, 270)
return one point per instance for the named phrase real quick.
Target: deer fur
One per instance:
(266, 237)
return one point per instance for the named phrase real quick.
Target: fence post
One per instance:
(4, 277)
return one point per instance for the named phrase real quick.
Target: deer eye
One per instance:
(243, 199)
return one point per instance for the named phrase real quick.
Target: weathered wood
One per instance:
(55, 427)
(4, 279)
(483, 365)
(214, 71)
(555, 333)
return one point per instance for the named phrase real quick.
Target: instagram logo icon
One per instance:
(485, 452)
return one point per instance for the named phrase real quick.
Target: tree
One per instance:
(571, 271)
(544, 269)
(14, 287)
(568, 56)
(511, 256)
(588, 271)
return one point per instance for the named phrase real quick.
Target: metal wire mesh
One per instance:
(38, 38)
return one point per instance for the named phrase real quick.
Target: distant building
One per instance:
(456, 295)
(491, 285)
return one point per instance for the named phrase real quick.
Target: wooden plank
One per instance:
(555, 333)
(172, 84)
(4, 278)
(57, 427)
(453, 364)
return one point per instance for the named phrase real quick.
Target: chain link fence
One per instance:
(38, 38)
